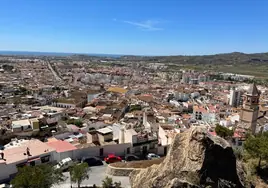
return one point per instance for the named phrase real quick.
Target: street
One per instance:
(96, 175)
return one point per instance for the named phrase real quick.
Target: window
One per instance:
(45, 159)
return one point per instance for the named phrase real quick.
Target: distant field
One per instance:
(258, 70)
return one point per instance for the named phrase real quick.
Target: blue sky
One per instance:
(141, 27)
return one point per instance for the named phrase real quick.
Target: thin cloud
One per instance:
(149, 25)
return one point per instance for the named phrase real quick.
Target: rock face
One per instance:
(195, 159)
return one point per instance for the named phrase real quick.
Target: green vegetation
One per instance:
(256, 147)
(108, 183)
(79, 173)
(7, 67)
(253, 157)
(135, 107)
(258, 70)
(238, 153)
(223, 131)
(77, 122)
(42, 176)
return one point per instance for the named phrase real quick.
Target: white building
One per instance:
(20, 153)
(235, 97)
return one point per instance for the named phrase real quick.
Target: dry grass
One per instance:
(137, 164)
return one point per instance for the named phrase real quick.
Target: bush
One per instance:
(77, 122)
(223, 131)
(108, 183)
(238, 152)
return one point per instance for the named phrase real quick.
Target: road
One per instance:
(96, 175)
(53, 72)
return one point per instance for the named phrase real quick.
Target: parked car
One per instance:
(131, 157)
(92, 161)
(5, 186)
(151, 156)
(112, 159)
(64, 164)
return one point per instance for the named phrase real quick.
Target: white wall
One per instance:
(118, 149)
(6, 170)
(162, 136)
(116, 130)
(64, 155)
(86, 152)
(10, 169)
(63, 105)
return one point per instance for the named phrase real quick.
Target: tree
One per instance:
(42, 176)
(108, 183)
(256, 147)
(79, 173)
(223, 131)
(76, 122)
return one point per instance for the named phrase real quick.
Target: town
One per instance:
(60, 110)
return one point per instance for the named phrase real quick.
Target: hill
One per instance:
(228, 58)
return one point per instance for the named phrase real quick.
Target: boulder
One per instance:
(195, 159)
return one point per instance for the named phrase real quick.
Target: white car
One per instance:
(64, 164)
(151, 156)
(5, 186)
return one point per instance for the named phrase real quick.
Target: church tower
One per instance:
(250, 110)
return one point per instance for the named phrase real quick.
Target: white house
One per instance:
(21, 153)
(63, 149)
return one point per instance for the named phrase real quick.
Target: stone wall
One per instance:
(118, 171)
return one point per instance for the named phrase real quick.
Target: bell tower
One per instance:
(250, 110)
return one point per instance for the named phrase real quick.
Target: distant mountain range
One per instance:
(227, 58)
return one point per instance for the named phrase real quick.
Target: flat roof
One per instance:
(52, 108)
(16, 154)
(19, 123)
(104, 130)
(117, 90)
(61, 146)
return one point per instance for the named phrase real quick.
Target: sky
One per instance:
(134, 27)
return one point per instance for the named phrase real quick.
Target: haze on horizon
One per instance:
(135, 27)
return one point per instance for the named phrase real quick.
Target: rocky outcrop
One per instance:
(195, 159)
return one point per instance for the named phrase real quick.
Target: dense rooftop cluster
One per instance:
(57, 108)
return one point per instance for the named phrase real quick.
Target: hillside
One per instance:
(229, 58)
